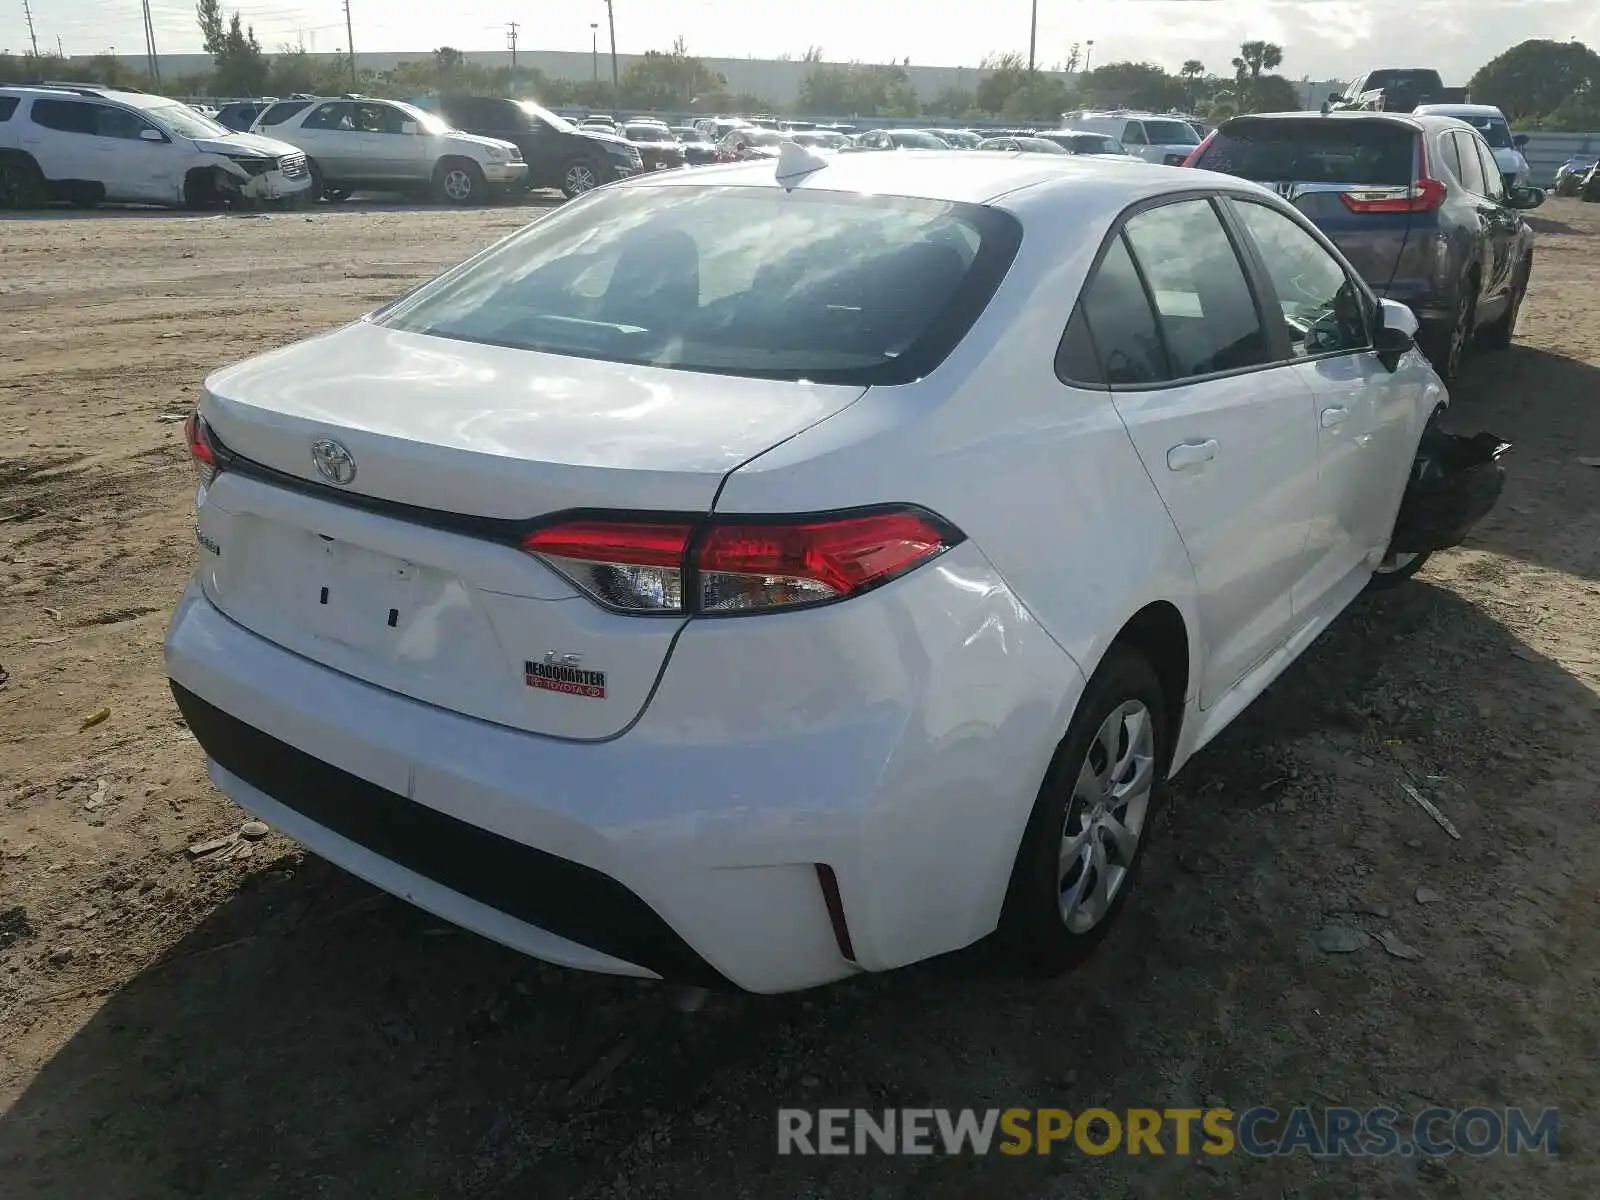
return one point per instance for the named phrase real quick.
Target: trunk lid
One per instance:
(408, 574)
(1314, 162)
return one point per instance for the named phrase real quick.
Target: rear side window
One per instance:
(1447, 149)
(329, 116)
(1471, 169)
(1133, 134)
(280, 112)
(1369, 153)
(67, 116)
(1494, 185)
(1115, 312)
(1208, 316)
(8, 105)
(752, 281)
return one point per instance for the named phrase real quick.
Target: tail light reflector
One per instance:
(632, 566)
(198, 435)
(743, 567)
(1424, 195)
(1194, 155)
(738, 565)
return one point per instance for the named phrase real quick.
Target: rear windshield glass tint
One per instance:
(827, 286)
(1370, 153)
(1170, 133)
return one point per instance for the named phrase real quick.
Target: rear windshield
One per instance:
(280, 112)
(1370, 153)
(1403, 77)
(1494, 129)
(1170, 133)
(832, 287)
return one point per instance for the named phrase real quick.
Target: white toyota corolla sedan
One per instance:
(782, 571)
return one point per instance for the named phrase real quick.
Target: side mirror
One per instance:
(409, 128)
(1396, 333)
(151, 135)
(1520, 140)
(1525, 196)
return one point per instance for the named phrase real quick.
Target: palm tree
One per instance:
(1255, 57)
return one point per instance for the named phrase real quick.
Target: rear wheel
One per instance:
(1090, 823)
(459, 181)
(1447, 348)
(21, 184)
(1499, 335)
(578, 177)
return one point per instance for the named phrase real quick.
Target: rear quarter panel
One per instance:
(1041, 476)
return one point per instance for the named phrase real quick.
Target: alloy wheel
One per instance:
(1460, 332)
(458, 185)
(580, 179)
(1106, 816)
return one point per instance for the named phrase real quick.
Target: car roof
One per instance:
(1339, 114)
(967, 177)
(1451, 110)
(87, 91)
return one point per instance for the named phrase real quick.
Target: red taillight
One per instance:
(778, 565)
(198, 434)
(737, 566)
(634, 566)
(1194, 155)
(1424, 195)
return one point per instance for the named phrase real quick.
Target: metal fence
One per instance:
(1546, 152)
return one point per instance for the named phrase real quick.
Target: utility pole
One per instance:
(611, 21)
(1088, 55)
(34, 37)
(1033, 34)
(150, 43)
(350, 43)
(511, 40)
(594, 50)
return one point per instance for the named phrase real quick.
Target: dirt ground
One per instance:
(266, 1026)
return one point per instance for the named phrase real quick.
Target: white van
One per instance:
(88, 144)
(1151, 136)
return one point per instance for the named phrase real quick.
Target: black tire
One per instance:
(22, 184)
(1034, 933)
(579, 176)
(1397, 569)
(319, 186)
(460, 181)
(200, 192)
(1447, 348)
(1567, 186)
(1499, 335)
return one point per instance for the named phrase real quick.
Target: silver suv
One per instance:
(353, 143)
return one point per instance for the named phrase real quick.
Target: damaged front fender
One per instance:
(1455, 482)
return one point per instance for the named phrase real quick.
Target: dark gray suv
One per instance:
(1416, 203)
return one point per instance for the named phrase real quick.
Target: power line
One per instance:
(511, 40)
(32, 36)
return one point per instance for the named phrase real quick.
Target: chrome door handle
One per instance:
(1191, 454)
(1334, 416)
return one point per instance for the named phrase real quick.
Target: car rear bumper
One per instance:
(898, 739)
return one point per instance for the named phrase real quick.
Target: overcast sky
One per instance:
(1321, 38)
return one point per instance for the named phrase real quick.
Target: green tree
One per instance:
(1537, 77)
(674, 80)
(952, 102)
(1271, 93)
(857, 90)
(1132, 85)
(241, 67)
(1256, 57)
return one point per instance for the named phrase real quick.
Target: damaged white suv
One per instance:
(88, 144)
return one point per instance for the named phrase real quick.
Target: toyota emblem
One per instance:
(334, 462)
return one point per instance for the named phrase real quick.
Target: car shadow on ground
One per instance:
(313, 1037)
(1544, 405)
